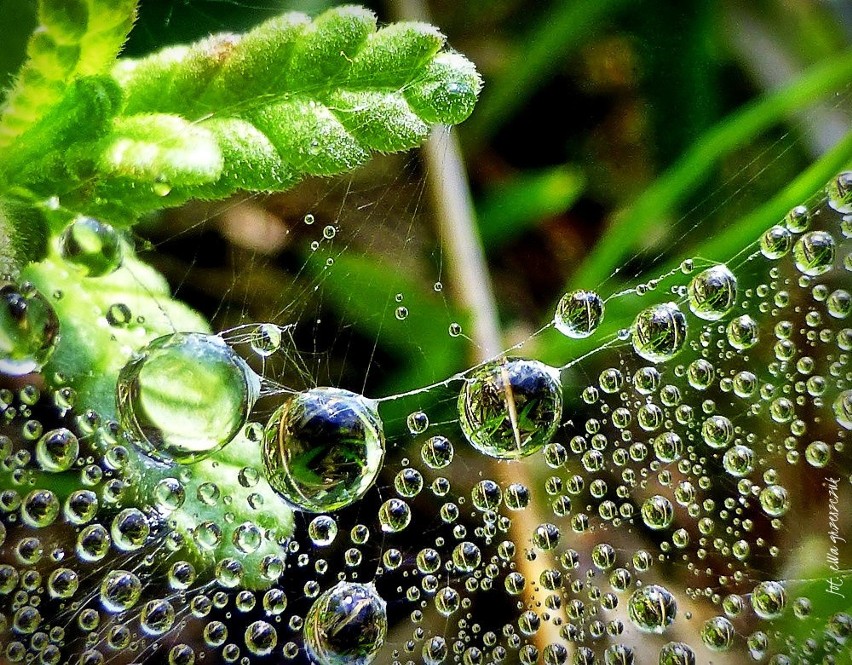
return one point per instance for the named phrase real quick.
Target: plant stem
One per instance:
(471, 285)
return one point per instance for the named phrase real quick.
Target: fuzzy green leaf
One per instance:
(291, 98)
(74, 38)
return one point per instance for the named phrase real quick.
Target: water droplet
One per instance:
(814, 253)
(157, 617)
(712, 293)
(91, 245)
(57, 450)
(652, 608)
(184, 396)
(839, 193)
(394, 515)
(130, 529)
(659, 332)
(29, 330)
(261, 638)
(329, 232)
(120, 590)
(437, 452)
(401, 313)
(346, 624)
(677, 653)
(739, 461)
(579, 314)
(776, 242)
(266, 339)
(119, 315)
(323, 449)
(842, 408)
(657, 512)
(418, 422)
(769, 600)
(322, 530)
(40, 508)
(309, 219)
(510, 408)
(743, 332)
(718, 634)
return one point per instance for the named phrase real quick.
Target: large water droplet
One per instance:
(652, 608)
(510, 408)
(57, 450)
(579, 314)
(839, 193)
(91, 245)
(323, 449)
(346, 625)
(659, 332)
(712, 293)
(814, 253)
(184, 396)
(29, 330)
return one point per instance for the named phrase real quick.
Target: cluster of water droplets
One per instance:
(629, 508)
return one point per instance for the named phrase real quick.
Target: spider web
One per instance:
(353, 272)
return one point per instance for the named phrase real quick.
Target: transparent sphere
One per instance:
(579, 314)
(713, 293)
(346, 625)
(652, 608)
(29, 330)
(91, 245)
(659, 332)
(323, 449)
(510, 408)
(184, 396)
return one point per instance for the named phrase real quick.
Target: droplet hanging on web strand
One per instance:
(184, 396)
(323, 449)
(91, 245)
(29, 330)
(266, 339)
(659, 332)
(579, 314)
(346, 625)
(510, 408)
(712, 293)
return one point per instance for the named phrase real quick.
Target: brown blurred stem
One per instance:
(470, 283)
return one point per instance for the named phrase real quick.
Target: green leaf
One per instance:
(73, 38)
(91, 352)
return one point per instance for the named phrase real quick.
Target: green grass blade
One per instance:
(508, 210)
(661, 199)
(561, 30)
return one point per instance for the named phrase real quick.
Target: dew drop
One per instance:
(322, 530)
(510, 408)
(712, 293)
(652, 608)
(394, 515)
(266, 339)
(842, 408)
(659, 332)
(91, 245)
(184, 396)
(776, 242)
(743, 332)
(29, 330)
(119, 315)
(814, 253)
(57, 450)
(346, 624)
(839, 193)
(579, 314)
(323, 449)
